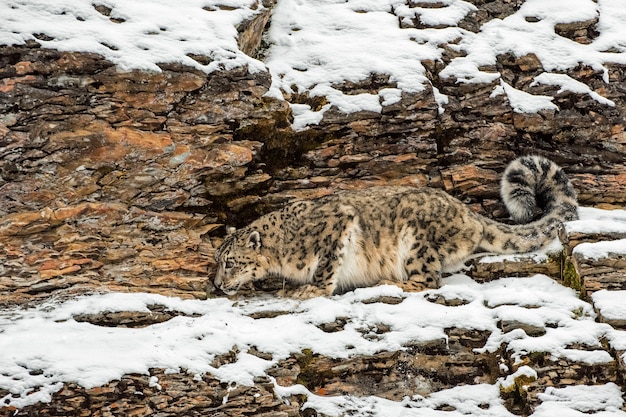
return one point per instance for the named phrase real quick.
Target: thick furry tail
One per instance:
(532, 187)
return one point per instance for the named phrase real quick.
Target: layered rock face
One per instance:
(122, 171)
(113, 178)
(117, 180)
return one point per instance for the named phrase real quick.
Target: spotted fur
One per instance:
(404, 235)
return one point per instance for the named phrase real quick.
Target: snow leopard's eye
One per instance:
(229, 264)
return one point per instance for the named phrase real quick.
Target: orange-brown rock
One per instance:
(122, 181)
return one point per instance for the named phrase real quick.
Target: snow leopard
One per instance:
(401, 235)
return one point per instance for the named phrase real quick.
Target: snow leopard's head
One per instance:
(239, 260)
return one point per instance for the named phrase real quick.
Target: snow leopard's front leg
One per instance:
(324, 278)
(326, 275)
(340, 236)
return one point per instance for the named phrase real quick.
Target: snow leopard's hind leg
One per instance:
(422, 267)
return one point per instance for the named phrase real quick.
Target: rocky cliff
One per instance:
(121, 180)
(113, 178)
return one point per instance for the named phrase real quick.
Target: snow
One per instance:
(523, 102)
(480, 400)
(598, 221)
(601, 250)
(137, 34)
(518, 36)
(568, 84)
(525, 372)
(92, 355)
(314, 46)
(610, 304)
(581, 400)
(474, 400)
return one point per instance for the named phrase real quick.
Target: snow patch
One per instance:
(136, 34)
(313, 47)
(601, 400)
(567, 83)
(611, 303)
(523, 102)
(594, 220)
(601, 250)
(93, 355)
(510, 381)
(304, 116)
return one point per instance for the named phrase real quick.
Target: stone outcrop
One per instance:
(420, 369)
(174, 395)
(595, 261)
(112, 178)
(122, 181)
(142, 159)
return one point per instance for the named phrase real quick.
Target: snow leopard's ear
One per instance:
(254, 240)
(230, 230)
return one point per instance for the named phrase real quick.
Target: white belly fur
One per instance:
(358, 269)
